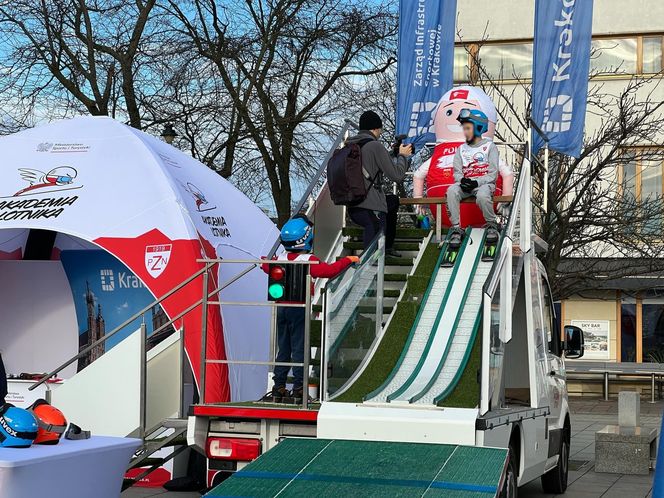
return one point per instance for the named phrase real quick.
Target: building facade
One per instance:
(623, 318)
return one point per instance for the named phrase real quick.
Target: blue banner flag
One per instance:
(563, 31)
(426, 63)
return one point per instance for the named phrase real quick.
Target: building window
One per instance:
(652, 54)
(641, 182)
(461, 65)
(609, 57)
(507, 61)
(653, 333)
(627, 332)
(614, 56)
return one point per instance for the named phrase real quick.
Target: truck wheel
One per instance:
(555, 480)
(510, 489)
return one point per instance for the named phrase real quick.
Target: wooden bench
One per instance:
(439, 201)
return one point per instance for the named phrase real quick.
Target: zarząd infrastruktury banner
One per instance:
(561, 57)
(426, 63)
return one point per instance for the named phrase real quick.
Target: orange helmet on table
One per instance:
(51, 421)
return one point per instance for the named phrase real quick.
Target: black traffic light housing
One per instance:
(286, 282)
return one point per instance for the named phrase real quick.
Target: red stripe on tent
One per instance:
(181, 265)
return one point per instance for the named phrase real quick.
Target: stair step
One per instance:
(356, 245)
(390, 261)
(175, 423)
(402, 233)
(396, 277)
(387, 309)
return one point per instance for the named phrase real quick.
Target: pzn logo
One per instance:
(107, 280)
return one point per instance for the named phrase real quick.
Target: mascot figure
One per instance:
(438, 171)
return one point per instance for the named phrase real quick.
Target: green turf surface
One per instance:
(335, 468)
(393, 341)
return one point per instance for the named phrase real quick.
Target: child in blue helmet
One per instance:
(297, 237)
(476, 166)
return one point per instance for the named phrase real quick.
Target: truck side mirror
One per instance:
(573, 342)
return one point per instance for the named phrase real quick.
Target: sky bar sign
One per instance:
(563, 31)
(426, 63)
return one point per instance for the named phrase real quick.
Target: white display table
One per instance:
(71, 469)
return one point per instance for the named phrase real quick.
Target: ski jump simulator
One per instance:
(441, 377)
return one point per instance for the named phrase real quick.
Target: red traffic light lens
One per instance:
(277, 273)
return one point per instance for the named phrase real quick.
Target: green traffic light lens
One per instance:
(276, 291)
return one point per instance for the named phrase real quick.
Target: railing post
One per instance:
(322, 395)
(183, 359)
(204, 315)
(380, 282)
(307, 341)
(144, 381)
(439, 222)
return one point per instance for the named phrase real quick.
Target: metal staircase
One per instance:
(171, 433)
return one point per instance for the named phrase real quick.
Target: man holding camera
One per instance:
(378, 211)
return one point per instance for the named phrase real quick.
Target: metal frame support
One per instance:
(322, 395)
(144, 381)
(204, 313)
(307, 341)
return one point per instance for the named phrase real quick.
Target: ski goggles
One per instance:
(63, 179)
(75, 433)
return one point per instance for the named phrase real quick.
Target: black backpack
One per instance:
(346, 175)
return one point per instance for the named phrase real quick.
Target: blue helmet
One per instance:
(18, 427)
(478, 118)
(298, 234)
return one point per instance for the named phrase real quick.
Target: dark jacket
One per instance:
(375, 158)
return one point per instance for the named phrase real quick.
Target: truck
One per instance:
(444, 379)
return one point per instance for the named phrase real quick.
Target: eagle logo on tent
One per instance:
(57, 179)
(202, 204)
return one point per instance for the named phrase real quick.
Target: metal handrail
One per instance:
(117, 329)
(307, 323)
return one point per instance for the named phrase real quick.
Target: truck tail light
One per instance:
(227, 448)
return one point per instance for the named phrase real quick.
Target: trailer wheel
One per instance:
(555, 480)
(510, 488)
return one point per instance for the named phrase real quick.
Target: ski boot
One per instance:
(454, 241)
(276, 395)
(490, 241)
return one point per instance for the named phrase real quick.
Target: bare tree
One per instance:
(76, 54)
(281, 61)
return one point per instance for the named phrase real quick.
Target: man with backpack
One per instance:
(377, 211)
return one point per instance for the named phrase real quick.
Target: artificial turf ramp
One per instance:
(394, 339)
(334, 468)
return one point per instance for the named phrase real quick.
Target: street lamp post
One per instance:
(169, 133)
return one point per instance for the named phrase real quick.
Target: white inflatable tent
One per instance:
(158, 211)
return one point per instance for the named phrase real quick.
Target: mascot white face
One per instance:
(446, 126)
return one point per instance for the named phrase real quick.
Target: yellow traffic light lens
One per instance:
(276, 291)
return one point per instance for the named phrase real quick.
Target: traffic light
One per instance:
(276, 282)
(286, 282)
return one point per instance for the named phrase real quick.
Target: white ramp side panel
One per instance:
(421, 335)
(453, 307)
(104, 397)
